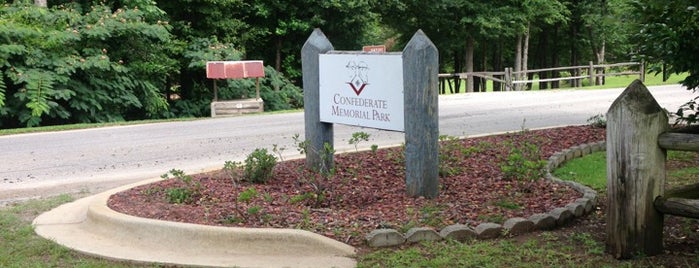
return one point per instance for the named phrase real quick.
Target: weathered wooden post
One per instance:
(508, 79)
(420, 70)
(635, 173)
(317, 133)
(591, 74)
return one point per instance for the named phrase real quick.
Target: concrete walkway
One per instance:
(89, 226)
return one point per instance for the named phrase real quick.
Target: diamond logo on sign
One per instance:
(358, 76)
(362, 90)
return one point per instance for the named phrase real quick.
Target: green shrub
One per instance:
(233, 170)
(523, 163)
(179, 195)
(186, 194)
(598, 121)
(259, 166)
(247, 195)
(451, 152)
(358, 137)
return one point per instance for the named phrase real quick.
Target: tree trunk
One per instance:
(469, 63)
(484, 67)
(497, 65)
(555, 59)
(542, 56)
(600, 60)
(40, 3)
(575, 23)
(278, 58)
(525, 56)
(457, 69)
(518, 60)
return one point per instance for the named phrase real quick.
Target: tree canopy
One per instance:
(94, 61)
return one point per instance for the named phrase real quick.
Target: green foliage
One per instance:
(196, 93)
(22, 247)
(232, 168)
(186, 194)
(318, 178)
(590, 170)
(666, 36)
(450, 155)
(61, 66)
(687, 113)
(523, 162)
(301, 146)
(508, 204)
(597, 121)
(248, 195)
(259, 166)
(358, 137)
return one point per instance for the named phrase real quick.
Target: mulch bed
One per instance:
(367, 190)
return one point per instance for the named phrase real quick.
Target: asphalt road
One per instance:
(93, 160)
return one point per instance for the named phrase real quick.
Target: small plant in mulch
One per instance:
(244, 209)
(362, 191)
(234, 170)
(358, 137)
(524, 160)
(187, 193)
(319, 181)
(259, 166)
(451, 153)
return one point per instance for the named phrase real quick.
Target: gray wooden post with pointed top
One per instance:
(420, 92)
(635, 173)
(317, 133)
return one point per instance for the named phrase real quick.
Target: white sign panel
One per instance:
(362, 90)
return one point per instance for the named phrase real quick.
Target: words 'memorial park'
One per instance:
(394, 91)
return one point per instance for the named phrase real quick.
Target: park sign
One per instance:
(393, 91)
(362, 89)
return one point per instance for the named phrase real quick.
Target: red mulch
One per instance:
(368, 191)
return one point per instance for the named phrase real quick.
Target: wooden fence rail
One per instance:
(508, 79)
(637, 140)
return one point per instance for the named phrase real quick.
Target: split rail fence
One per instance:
(637, 139)
(509, 80)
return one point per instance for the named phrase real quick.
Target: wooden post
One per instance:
(257, 88)
(591, 73)
(420, 72)
(635, 173)
(642, 69)
(508, 79)
(215, 91)
(317, 133)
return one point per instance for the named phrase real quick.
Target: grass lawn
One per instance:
(21, 247)
(611, 82)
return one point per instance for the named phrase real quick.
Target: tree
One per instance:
(58, 66)
(537, 12)
(285, 25)
(667, 32)
(607, 30)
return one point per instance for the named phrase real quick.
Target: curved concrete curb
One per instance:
(514, 226)
(89, 226)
